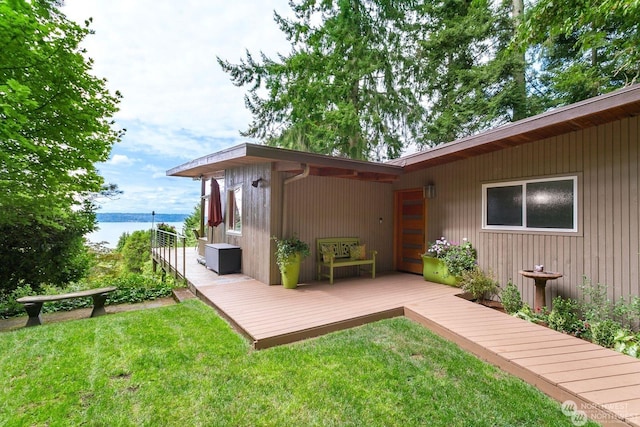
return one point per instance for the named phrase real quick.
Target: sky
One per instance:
(177, 103)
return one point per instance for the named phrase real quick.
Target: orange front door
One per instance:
(410, 225)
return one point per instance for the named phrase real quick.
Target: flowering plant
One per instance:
(457, 257)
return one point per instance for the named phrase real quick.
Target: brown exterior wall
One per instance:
(319, 207)
(316, 207)
(256, 218)
(606, 248)
(276, 189)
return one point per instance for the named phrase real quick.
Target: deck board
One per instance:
(604, 383)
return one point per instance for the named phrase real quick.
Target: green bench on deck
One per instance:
(334, 252)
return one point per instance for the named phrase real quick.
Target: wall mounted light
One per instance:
(255, 183)
(430, 191)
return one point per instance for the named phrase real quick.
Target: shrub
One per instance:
(167, 227)
(8, 305)
(137, 251)
(604, 332)
(627, 342)
(122, 240)
(594, 303)
(627, 312)
(635, 307)
(594, 317)
(511, 298)
(165, 234)
(106, 262)
(36, 252)
(564, 316)
(133, 288)
(541, 315)
(479, 284)
(68, 304)
(595, 306)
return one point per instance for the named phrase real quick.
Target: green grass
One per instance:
(183, 365)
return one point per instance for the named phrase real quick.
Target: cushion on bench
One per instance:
(342, 252)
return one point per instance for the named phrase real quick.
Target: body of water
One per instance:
(110, 232)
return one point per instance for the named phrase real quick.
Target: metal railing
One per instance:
(165, 249)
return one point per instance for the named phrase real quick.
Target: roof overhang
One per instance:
(581, 115)
(214, 165)
(590, 112)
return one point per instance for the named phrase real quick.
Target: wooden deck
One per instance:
(602, 383)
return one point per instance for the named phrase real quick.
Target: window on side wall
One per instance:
(549, 204)
(234, 210)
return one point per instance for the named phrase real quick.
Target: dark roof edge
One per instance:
(287, 155)
(274, 154)
(227, 153)
(557, 116)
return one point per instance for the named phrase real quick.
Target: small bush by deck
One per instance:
(183, 365)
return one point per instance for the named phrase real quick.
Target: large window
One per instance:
(234, 210)
(533, 205)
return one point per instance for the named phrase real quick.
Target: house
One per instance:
(560, 189)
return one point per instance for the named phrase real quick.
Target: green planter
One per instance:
(435, 270)
(291, 272)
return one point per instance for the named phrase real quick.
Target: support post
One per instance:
(33, 310)
(540, 298)
(203, 205)
(98, 304)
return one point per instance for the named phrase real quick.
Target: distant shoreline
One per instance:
(108, 233)
(139, 217)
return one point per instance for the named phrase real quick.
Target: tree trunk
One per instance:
(520, 98)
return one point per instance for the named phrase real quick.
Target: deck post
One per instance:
(184, 259)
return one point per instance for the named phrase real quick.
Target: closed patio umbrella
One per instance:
(215, 207)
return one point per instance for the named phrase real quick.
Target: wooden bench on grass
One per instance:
(33, 304)
(334, 252)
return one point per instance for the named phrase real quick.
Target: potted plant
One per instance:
(289, 255)
(445, 262)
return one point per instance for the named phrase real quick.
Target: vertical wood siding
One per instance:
(332, 207)
(256, 218)
(606, 249)
(276, 187)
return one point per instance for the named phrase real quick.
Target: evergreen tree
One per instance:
(471, 77)
(585, 48)
(347, 88)
(367, 77)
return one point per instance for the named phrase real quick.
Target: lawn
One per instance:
(183, 365)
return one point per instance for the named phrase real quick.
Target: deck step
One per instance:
(182, 294)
